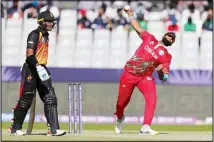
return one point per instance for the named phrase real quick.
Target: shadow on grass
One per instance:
(36, 134)
(162, 133)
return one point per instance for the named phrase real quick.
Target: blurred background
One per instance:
(91, 44)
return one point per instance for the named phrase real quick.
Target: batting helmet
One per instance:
(45, 16)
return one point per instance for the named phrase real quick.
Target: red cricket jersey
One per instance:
(148, 56)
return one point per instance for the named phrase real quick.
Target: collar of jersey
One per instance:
(44, 32)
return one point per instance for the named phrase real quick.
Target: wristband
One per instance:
(165, 77)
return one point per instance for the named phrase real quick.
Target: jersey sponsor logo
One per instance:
(161, 52)
(148, 49)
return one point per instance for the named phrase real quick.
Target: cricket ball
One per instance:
(127, 8)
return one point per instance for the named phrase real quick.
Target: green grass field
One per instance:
(106, 132)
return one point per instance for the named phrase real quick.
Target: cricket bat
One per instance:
(32, 116)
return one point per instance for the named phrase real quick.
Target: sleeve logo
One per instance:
(31, 42)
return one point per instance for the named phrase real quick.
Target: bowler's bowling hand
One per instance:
(128, 10)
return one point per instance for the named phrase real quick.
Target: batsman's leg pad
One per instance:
(21, 110)
(50, 109)
(50, 98)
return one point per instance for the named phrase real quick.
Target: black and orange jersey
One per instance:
(38, 41)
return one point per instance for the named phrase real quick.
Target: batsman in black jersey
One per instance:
(35, 75)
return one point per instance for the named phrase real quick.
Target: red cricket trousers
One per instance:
(147, 87)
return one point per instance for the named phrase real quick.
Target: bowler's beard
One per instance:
(166, 42)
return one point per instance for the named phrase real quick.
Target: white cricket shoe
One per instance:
(58, 133)
(147, 130)
(17, 133)
(119, 125)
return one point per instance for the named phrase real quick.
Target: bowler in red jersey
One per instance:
(150, 56)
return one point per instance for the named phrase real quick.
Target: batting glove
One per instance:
(42, 72)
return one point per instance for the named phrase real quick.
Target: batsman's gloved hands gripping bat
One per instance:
(42, 72)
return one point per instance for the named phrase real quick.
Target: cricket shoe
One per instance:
(147, 130)
(58, 133)
(16, 133)
(119, 125)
